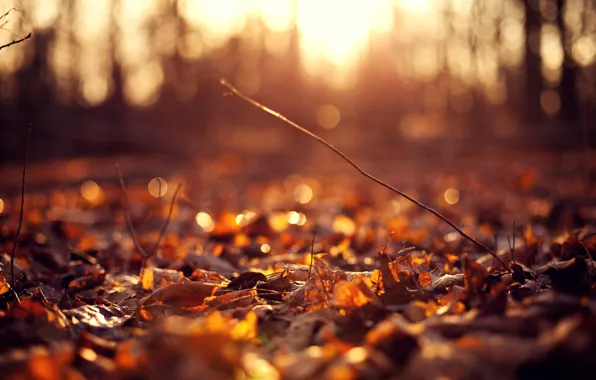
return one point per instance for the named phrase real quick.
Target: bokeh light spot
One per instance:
(451, 196)
(244, 218)
(205, 221)
(158, 187)
(293, 217)
(91, 191)
(328, 116)
(303, 194)
(343, 224)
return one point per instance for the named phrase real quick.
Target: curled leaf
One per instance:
(187, 294)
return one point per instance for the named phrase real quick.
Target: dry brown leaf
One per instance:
(236, 299)
(187, 294)
(395, 292)
(474, 275)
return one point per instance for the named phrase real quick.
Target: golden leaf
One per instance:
(147, 278)
(349, 296)
(4, 287)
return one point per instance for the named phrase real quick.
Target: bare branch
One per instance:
(17, 41)
(253, 102)
(3, 22)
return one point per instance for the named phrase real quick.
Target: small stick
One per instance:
(512, 244)
(387, 241)
(131, 229)
(589, 255)
(159, 188)
(16, 238)
(163, 228)
(312, 250)
(253, 102)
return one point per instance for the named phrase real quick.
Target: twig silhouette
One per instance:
(14, 42)
(24, 177)
(163, 228)
(146, 255)
(3, 23)
(276, 114)
(131, 229)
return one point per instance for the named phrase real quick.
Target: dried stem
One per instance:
(253, 102)
(387, 241)
(131, 229)
(512, 243)
(163, 229)
(24, 177)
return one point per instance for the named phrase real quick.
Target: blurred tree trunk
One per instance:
(567, 87)
(533, 88)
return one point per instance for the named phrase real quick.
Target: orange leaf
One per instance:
(147, 278)
(348, 296)
(4, 287)
(424, 279)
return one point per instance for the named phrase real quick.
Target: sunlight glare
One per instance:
(416, 6)
(335, 32)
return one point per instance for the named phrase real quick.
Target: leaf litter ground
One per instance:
(353, 284)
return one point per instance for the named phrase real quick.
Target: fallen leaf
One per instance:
(187, 294)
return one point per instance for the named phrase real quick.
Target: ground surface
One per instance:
(231, 290)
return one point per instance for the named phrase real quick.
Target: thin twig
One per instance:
(511, 244)
(589, 256)
(253, 102)
(159, 188)
(163, 228)
(131, 229)
(24, 177)
(387, 241)
(312, 251)
(17, 41)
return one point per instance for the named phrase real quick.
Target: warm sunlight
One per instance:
(335, 33)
